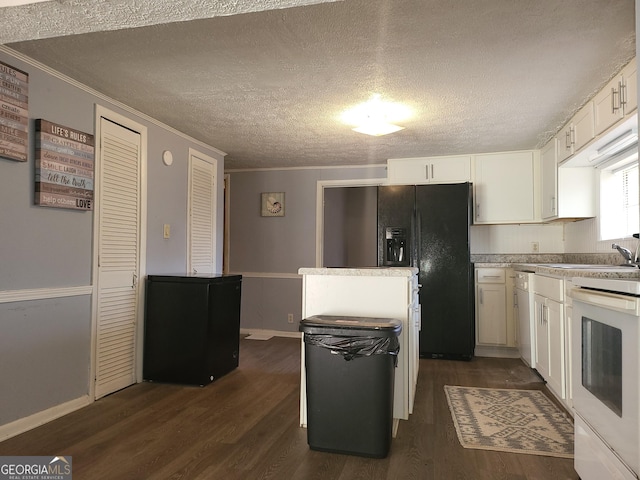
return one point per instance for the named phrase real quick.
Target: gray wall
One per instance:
(45, 344)
(268, 251)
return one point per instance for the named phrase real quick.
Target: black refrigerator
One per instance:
(427, 226)
(192, 328)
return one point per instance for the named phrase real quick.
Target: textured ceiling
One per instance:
(268, 86)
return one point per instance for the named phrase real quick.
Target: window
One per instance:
(619, 194)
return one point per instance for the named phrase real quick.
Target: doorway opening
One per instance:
(349, 226)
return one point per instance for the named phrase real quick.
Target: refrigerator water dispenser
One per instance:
(396, 251)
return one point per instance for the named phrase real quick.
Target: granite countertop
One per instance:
(599, 265)
(362, 272)
(579, 270)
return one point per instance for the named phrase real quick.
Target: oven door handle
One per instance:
(621, 303)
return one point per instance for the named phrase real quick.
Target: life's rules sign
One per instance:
(64, 167)
(14, 113)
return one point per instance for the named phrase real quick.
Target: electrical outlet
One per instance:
(535, 247)
(290, 318)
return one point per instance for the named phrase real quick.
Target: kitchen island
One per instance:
(388, 292)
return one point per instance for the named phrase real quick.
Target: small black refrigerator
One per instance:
(192, 328)
(428, 227)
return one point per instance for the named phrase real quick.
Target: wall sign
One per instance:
(14, 113)
(64, 167)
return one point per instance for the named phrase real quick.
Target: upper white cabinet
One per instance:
(414, 171)
(577, 133)
(566, 192)
(504, 187)
(617, 99)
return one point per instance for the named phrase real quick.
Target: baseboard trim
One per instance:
(273, 333)
(496, 352)
(40, 418)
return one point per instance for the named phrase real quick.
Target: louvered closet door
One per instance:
(201, 216)
(118, 258)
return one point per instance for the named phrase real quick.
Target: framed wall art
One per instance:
(14, 113)
(64, 167)
(272, 204)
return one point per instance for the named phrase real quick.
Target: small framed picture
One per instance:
(272, 204)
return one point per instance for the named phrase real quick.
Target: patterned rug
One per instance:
(518, 421)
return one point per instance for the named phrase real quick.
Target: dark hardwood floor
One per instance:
(245, 426)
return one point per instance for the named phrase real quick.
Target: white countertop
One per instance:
(362, 272)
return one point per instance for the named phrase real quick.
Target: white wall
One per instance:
(502, 239)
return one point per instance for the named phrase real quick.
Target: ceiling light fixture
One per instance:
(376, 117)
(15, 3)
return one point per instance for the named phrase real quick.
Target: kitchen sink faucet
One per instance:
(625, 252)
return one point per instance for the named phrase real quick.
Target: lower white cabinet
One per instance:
(550, 332)
(494, 317)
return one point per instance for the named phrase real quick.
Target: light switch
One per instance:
(167, 230)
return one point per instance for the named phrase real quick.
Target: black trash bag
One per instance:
(354, 347)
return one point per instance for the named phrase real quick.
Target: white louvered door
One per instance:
(118, 257)
(201, 257)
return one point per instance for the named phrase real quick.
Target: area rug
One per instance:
(518, 421)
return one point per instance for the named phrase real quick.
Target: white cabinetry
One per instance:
(550, 332)
(414, 171)
(566, 192)
(568, 319)
(494, 317)
(577, 133)
(617, 99)
(504, 187)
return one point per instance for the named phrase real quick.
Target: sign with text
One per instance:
(14, 113)
(36, 468)
(64, 167)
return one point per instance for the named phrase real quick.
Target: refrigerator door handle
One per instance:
(417, 235)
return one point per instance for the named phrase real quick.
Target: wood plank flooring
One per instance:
(245, 426)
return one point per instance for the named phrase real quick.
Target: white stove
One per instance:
(629, 286)
(605, 340)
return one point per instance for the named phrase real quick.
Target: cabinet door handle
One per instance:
(567, 140)
(572, 135)
(623, 93)
(432, 177)
(614, 94)
(427, 170)
(481, 296)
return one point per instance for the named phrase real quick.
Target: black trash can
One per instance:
(350, 368)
